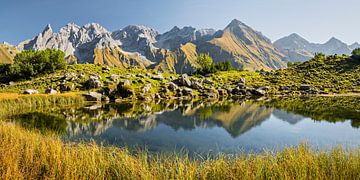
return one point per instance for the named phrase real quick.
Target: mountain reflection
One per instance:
(235, 116)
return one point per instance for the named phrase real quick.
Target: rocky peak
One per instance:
(136, 38)
(293, 41)
(236, 23)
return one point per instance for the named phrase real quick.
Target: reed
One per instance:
(26, 154)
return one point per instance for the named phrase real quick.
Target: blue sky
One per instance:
(316, 20)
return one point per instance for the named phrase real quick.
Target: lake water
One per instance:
(200, 127)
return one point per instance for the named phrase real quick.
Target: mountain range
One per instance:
(298, 49)
(174, 51)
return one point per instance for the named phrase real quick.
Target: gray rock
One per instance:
(242, 81)
(106, 68)
(50, 91)
(258, 92)
(187, 91)
(184, 80)
(64, 87)
(158, 77)
(92, 83)
(172, 86)
(93, 96)
(31, 91)
(127, 83)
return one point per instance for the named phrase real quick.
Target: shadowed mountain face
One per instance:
(173, 51)
(298, 49)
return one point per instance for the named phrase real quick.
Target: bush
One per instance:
(356, 53)
(207, 65)
(29, 64)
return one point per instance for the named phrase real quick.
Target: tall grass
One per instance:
(13, 103)
(29, 155)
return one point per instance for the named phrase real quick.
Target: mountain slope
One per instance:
(244, 47)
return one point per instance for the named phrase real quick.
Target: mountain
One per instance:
(174, 51)
(244, 47)
(298, 49)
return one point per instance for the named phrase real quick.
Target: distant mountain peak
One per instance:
(47, 29)
(236, 22)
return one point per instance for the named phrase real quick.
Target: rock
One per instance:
(146, 88)
(92, 96)
(11, 83)
(305, 87)
(114, 77)
(158, 77)
(172, 86)
(106, 69)
(196, 84)
(184, 80)
(258, 92)
(31, 91)
(50, 91)
(266, 88)
(64, 87)
(207, 81)
(187, 91)
(241, 85)
(242, 81)
(127, 83)
(92, 83)
(124, 91)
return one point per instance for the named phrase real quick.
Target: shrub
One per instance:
(356, 53)
(28, 64)
(207, 65)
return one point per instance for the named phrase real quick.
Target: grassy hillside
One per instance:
(324, 73)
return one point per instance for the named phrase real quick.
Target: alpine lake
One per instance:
(228, 126)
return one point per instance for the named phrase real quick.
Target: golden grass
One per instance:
(29, 155)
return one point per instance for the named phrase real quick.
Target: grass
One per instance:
(29, 155)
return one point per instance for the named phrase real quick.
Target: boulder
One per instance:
(64, 87)
(305, 87)
(196, 85)
(92, 83)
(31, 91)
(127, 83)
(184, 80)
(172, 86)
(242, 81)
(187, 91)
(92, 96)
(106, 69)
(258, 92)
(158, 77)
(50, 91)
(114, 77)
(124, 90)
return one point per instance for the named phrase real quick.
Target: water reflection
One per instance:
(201, 125)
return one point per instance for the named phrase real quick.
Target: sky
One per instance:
(315, 20)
